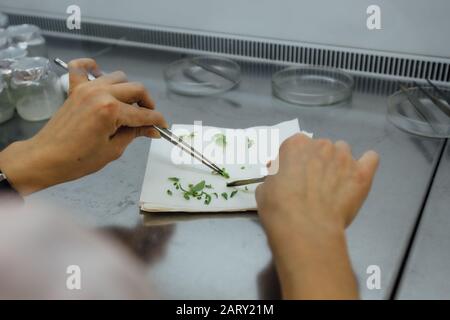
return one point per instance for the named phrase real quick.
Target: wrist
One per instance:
(23, 165)
(305, 239)
(312, 260)
(283, 225)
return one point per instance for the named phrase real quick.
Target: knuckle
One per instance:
(297, 138)
(289, 142)
(73, 63)
(285, 146)
(326, 148)
(293, 142)
(121, 74)
(343, 143)
(85, 90)
(140, 87)
(156, 115)
(78, 63)
(324, 143)
(107, 107)
(343, 156)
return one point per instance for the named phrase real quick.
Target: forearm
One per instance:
(314, 265)
(23, 166)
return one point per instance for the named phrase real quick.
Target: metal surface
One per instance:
(227, 256)
(426, 272)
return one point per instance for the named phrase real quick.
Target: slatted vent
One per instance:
(383, 64)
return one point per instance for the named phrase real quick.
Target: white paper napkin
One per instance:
(163, 163)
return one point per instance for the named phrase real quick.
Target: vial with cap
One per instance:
(35, 88)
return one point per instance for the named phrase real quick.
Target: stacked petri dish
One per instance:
(202, 76)
(412, 111)
(29, 37)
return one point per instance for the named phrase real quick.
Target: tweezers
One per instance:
(244, 182)
(177, 141)
(442, 106)
(166, 134)
(445, 96)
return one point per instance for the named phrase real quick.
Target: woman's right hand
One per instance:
(305, 208)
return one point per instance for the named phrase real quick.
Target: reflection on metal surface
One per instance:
(424, 148)
(268, 283)
(425, 270)
(213, 101)
(146, 243)
(168, 218)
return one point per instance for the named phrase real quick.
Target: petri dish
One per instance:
(202, 76)
(405, 116)
(314, 86)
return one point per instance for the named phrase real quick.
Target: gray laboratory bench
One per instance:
(426, 274)
(227, 256)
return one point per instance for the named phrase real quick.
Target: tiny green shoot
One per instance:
(198, 191)
(224, 173)
(220, 139)
(250, 143)
(189, 136)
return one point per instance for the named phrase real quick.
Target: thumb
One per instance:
(368, 165)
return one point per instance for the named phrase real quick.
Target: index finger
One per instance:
(79, 70)
(111, 78)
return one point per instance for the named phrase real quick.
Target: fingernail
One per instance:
(152, 133)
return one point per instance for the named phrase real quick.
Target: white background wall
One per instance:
(411, 26)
